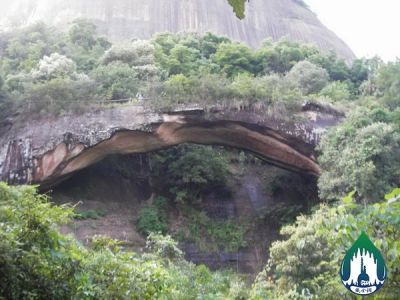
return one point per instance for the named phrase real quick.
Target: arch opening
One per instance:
(270, 145)
(115, 191)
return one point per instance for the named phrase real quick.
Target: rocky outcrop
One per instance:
(49, 150)
(127, 19)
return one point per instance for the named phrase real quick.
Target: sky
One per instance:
(369, 27)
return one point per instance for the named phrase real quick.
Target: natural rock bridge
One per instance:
(49, 150)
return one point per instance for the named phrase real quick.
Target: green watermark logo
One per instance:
(363, 269)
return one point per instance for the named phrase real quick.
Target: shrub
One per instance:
(213, 235)
(55, 66)
(189, 171)
(150, 219)
(37, 262)
(337, 91)
(116, 81)
(310, 78)
(163, 246)
(362, 154)
(89, 214)
(137, 53)
(305, 265)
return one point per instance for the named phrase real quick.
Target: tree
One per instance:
(178, 88)
(309, 77)
(235, 58)
(280, 57)
(190, 171)
(336, 90)
(337, 68)
(209, 44)
(177, 54)
(37, 260)
(362, 154)
(25, 47)
(83, 33)
(136, 53)
(388, 84)
(359, 71)
(305, 264)
(84, 46)
(55, 66)
(116, 81)
(139, 54)
(182, 60)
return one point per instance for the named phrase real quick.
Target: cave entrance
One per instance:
(225, 206)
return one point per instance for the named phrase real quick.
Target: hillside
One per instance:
(125, 19)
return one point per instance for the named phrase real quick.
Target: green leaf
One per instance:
(393, 195)
(349, 198)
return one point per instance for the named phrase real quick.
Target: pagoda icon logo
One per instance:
(363, 269)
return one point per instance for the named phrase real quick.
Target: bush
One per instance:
(190, 171)
(55, 66)
(137, 53)
(310, 78)
(213, 235)
(306, 264)
(37, 262)
(90, 214)
(116, 81)
(57, 95)
(337, 91)
(150, 219)
(163, 246)
(363, 153)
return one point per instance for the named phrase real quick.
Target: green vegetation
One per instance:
(280, 213)
(363, 153)
(46, 71)
(153, 218)
(238, 7)
(37, 262)
(187, 172)
(212, 235)
(43, 71)
(305, 265)
(90, 214)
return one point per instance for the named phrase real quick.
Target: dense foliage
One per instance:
(306, 264)
(187, 172)
(37, 262)
(363, 154)
(44, 70)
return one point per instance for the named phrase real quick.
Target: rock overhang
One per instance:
(47, 150)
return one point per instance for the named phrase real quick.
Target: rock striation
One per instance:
(127, 19)
(49, 150)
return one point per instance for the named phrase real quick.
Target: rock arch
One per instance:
(46, 151)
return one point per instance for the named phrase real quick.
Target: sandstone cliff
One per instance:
(122, 19)
(50, 149)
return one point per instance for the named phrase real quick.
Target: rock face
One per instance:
(126, 19)
(49, 150)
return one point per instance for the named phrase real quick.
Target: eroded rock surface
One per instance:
(127, 19)
(48, 150)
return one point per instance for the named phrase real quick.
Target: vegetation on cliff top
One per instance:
(44, 70)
